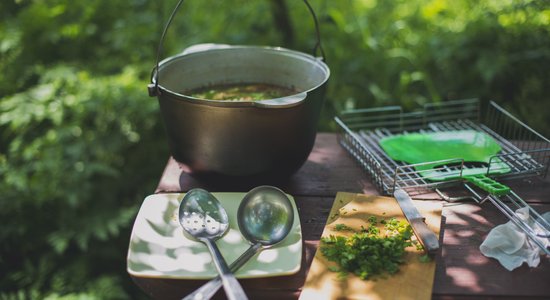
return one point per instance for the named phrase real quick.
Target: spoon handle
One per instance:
(209, 289)
(232, 287)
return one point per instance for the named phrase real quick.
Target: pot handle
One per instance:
(153, 88)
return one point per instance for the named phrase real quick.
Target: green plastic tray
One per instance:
(426, 149)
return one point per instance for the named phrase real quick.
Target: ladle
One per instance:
(202, 216)
(265, 218)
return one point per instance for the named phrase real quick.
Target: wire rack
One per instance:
(524, 153)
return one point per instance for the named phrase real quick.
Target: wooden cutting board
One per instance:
(414, 280)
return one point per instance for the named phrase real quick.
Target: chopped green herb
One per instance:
(334, 269)
(425, 258)
(417, 245)
(370, 252)
(342, 227)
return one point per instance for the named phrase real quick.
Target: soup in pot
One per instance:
(241, 92)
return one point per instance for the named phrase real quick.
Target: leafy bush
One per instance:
(414, 52)
(81, 157)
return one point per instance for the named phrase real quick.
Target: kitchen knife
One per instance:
(427, 237)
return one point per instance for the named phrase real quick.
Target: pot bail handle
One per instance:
(318, 45)
(153, 88)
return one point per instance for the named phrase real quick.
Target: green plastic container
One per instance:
(429, 152)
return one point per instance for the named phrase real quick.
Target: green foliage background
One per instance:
(81, 143)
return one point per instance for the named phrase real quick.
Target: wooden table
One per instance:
(462, 271)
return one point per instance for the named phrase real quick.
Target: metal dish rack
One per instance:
(524, 151)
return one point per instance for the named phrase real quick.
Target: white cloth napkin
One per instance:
(508, 244)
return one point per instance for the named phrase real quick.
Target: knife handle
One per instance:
(426, 236)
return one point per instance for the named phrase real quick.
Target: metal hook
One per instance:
(153, 88)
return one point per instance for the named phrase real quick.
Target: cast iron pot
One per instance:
(271, 137)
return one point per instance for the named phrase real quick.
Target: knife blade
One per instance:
(425, 235)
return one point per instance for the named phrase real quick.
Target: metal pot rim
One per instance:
(282, 102)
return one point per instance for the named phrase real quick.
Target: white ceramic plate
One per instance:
(158, 247)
